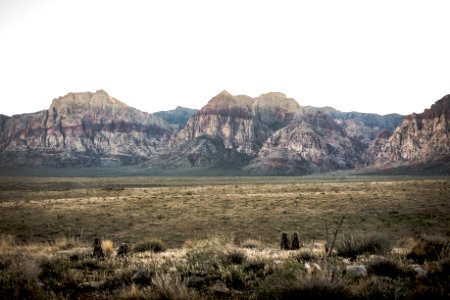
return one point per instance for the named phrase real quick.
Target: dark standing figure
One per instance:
(295, 241)
(284, 241)
(123, 250)
(98, 251)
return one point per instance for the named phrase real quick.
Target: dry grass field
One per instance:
(219, 237)
(178, 209)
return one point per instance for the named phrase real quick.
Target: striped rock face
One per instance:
(82, 129)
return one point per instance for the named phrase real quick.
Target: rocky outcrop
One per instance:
(267, 134)
(3, 119)
(363, 128)
(276, 110)
(82, 129)
(225, 132)
(312, 144)
(231, 119)
(421, 138)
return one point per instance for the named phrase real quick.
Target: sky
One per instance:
(367, 56)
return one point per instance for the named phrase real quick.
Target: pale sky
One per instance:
(367, 56)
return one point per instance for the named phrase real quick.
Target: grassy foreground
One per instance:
(217, 268)
(220, 238)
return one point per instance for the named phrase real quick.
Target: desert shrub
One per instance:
(134, 292)
(142, 277)
(383, 288)
(53, 269)
(166, 286)
(108, 247)
(395, 281)
(154, 245)
(304, 256)
(7, 242)
(56, 276)
(285, 285)
(255, 266)
(236, 257)
(18, 277)
(206, 258)
(251, 244)
(88, 264)
(236, 279)
(65, 243)
(201, 281)
(6, 260)
(442, 267)
(212, 241)
(436, 285)
(428, 249)
(351, 246)
(389, 268)
(115, 281)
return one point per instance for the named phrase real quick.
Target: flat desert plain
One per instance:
(176, 209)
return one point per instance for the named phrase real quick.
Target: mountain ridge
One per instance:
(268, 134)
(81, 129)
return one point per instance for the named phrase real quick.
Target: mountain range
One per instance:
(269, 134)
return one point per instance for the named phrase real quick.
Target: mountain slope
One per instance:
(267, 134)
(363, 128)
(315, 143)
(178, 116)
(228, 121)
(421, 139)
(82, 129)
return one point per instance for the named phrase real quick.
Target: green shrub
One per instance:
(154, 245)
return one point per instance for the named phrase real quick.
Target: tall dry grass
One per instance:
(213, 268)
(108, 247)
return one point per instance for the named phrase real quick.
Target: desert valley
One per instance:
(246, 198)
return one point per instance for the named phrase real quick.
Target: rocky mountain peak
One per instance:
(178, 116)
(276, 99)
(273, 95)
(276, 110)
(439, 108)
(224, 93)
(225, 104)
(419, 138)
(87, 100)
(268, 134)
(82, 129)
